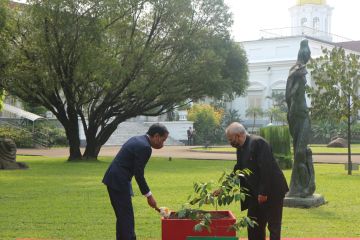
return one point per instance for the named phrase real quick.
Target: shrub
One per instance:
(323, 131)
(46, 136)
(52, 132)
(58, 137)
(284, 161)
(22, 138)
(206, 123)
(52, 136)
(280, 140)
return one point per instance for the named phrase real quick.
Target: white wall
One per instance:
(269, 61)
(177, 129)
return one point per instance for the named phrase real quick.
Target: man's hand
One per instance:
(151, 201)
(262, 199)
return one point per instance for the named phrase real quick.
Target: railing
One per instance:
(301, 31)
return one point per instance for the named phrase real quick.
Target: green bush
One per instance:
(58, 137)
(206, 123)
(46, 136)
(323, 131)
(22, 138)
(52, 132)
(280, 140)
(284, 161)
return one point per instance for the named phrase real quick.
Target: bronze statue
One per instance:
(302, 182)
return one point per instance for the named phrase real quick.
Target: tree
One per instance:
(276, 114)
(104, 62)
(278, 100)
(230, 116)
(254, 112)
(3, 45)
(278, 110)
(336, 93)
(206, 120)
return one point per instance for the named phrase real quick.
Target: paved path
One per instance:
(178, 152)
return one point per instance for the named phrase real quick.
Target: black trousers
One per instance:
(125, 224)
(266, 214)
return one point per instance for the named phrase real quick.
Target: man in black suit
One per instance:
(131, 161)
(266, 183)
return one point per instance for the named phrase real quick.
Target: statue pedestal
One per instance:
(308, 202)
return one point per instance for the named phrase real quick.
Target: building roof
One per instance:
(16, 4)
(351, 45)
(21, 113)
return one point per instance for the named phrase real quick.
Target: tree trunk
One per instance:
(92, 148)
(253, 124)
(95, 139)
(71, 127)
(349, 139)
(72, 134)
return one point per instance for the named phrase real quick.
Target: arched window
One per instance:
(303, 22)
(316, 23)
(255, 99)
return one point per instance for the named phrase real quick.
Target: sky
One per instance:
(251, 16)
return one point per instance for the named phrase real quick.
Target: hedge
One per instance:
(279, 138)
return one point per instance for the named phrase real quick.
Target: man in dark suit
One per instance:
(266, 183)
(131, 161)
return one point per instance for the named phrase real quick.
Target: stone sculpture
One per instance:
(8, 155)
(302, 182)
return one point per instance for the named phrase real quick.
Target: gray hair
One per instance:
(235, 128)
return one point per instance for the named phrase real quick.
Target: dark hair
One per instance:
(157, 128)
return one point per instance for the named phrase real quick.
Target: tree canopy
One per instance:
(104, 62)
(3, 45)
(336, 78)
(335, 95)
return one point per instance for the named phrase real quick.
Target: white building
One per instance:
(271, 57)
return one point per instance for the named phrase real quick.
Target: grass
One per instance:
(55, 199)
(316, 149)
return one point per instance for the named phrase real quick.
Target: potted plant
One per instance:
(194, 223)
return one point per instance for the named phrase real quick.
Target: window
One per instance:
(254, 101)
(316, 22)
(303, 22)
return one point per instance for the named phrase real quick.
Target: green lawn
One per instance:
(60, 200)
(316, 149)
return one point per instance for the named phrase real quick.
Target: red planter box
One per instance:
(180, 229)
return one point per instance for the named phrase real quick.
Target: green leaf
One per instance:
(198, 227)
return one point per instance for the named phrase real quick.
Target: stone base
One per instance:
(5, 165)
(297, 202)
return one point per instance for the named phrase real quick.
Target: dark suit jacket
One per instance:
(266, 177)
(130, 161)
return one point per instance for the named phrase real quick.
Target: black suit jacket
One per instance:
(266, 177)
(130, 161)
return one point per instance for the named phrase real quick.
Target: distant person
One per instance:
(189, 133)
(193, 135)
(131, 161)
(266, 183)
